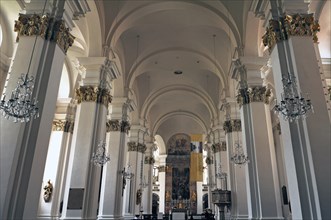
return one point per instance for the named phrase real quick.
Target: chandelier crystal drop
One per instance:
(293, 106)
(239, 158)
(20, 107)
(100, 158)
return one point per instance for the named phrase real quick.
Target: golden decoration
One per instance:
(113, 125)
(133, 146)
(149, 160)
(233, 125)
(58, 125)
(253, 94)
(48, 190)
(93, 94)
(125, 126)
(219, 147)
(290, 25)
(46, 27)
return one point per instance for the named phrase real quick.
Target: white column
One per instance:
(162, 179)
(112, 186)
(56, 164)
(135, 159)
(147, 176)
(237, 174)
(24, 146)
(82, 189)
(263, 193)
(210, 161)
(306, 142)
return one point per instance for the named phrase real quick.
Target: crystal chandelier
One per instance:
(20, 107)
(100, 158)
(239, 158)
(220, 174)
(292, 106)
(127, 174)
(143, 183)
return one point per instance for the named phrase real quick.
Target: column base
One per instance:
(128, 217)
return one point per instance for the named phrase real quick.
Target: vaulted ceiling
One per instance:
(155, 39)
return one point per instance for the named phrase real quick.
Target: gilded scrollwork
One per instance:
(113, 125)
(133, 146)
(46, 27)
(233, 125)
(209, 160)
(253, 94)
(62, 36)
(125, 126)
(149, 160)
(219, 147)
(48, 190)
(58, 125)
(93, 94)
(162, 168)
(69, 126)
(31, 25)
(290, 25)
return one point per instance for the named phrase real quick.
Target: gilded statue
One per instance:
(48, 189)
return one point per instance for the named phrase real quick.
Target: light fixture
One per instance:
(239, 157)
(22, 107)
(143, 183)
(220, 174)
(100, 158)
(127, 174)
(292, 106)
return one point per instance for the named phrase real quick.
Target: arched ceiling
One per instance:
(153, 39)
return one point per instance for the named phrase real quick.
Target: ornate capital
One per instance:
(69, 126)
(277, 128)
(149, 160)
(253, 94)
(125, 126)
(31, 25)
(209, 160)
(219, 147)
(58, 125)
(133, 146)
(93, 94)
(62, 36)
(162, 168)
(113, 125)
(46, 27)
(232, 125)
(290, 25)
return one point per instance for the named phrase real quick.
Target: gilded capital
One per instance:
(32, 25)
(233, 125)
(69, 126)
(162, 168)
(125, 126)
(149, 160)
(219, 147)
(46, 27)
(62, 36)
(209, 160)
(253, 94)
(133, 146)
(113, 125)
(58, 125)
(290, 25)
(93, 94)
